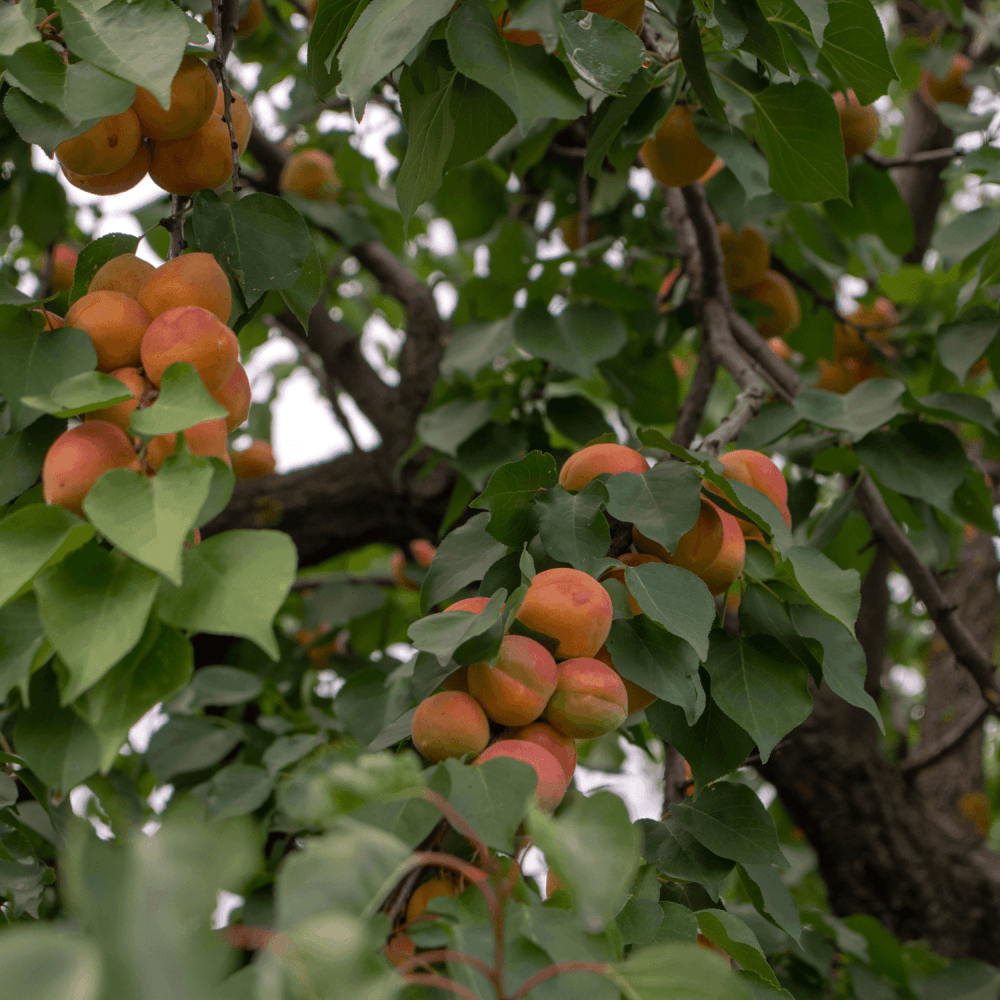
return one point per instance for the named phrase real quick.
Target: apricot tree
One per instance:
(640, 641)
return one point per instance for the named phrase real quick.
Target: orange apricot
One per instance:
(876, 322)
(106, 147)
(193, 279)
(194, 335)
(515, 691)
(423, 552)
(63, 267)
(234, 395)
(675, 155)
(192, 96)
(562, 747)
(638, 697)
(242, 122)
(310, 173)
(697, 549)
(123, 179)
(728, 564)
(629, 12)
(835, 377)
(120, 414)
(630, 559)
(552, 781)
(253, 462)
(570, 606)
(207, 438)
(859, 123)
(399, 948)
(589, 700)
(755, 469)
(457, 681)
(79, 457)
(449, 724)
(116, 325)
(473, 604)
(951, 89)
(776, 292)
(746, 256)
(124, 273)
(202, 159)
(247, 24)
(514, 35)
(586, 464)
(435, 888)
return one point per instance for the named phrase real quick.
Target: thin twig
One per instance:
(933, 752)
(226, 17)
(461, 825)
(747, 406)
(443, 955)
(441, 982)
(914, 159)
(693, 407)
(598, 968)
(174, 224)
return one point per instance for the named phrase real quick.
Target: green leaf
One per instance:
(116, 37)
(234, 584)
(677, 971)
(22, 454)
(759, 685)
(21, 638)
(676, 599)
(40, 123)
(462, 558)
(966, 233)
(854, 43)
(302, 297)
(577, 418)
(481, 120)
(605, 52)
(736, 940)
(237, 790)
(818, 14)
(876, 207)
(189, 743)
(382, 36)
(95, 255)
(442, 634)
(42, 212)
(575, 340)
(965, 406)
(800, 131)
(339, 602)
(533, 84)
(771, 897)
(446, 427)
(693, 57)
(572, 526)
(509, 495)
(537, 15)
(732, 822)
(863, 409)
(47, 962)
(594, 848)
(94, 605)
(287, 750)
(833, 590)
(80, 394)
(218, 686)
(17, 26)
(609, 119)
(762, 38)
(334, 19)
(746, 162)
(679, 855)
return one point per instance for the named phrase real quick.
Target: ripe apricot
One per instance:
(242, 122)
(202, 159)
(124, 273)
(116, 325)
(108, 146)
(194, 335)
(675, 155)
(247, 24)
(755, 469)
(697, 549)
(951, 89)
(121, 413)
(449, 724)
(310, 173)
(631, 559)
(473, 604)
(399, 948)
(746, 254)
(570, 606)
(876, 322)
(834, 377)
(779, 347)
(192, 96)
(589, 700)
(79, 457)
(435, 888)
(552, 781)
(515, 691)
(234, 395)
(423, 552)
(514, 35)
(638, 697)
(776, 292)
(253, 462)
(63, 267)
(586, 464)
(193, 279)
(629, 12)
(457, 681)
(562, 747)
(859, 123)
(728, 564)
(123, 179)
(207, 438)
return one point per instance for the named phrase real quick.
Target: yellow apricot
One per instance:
(629, 12)
(124, 273)
(202, 159)
(675, 155)
(449, 724)
(63, 267)
(207, 438)
(310, 173)
(115, 324)
(586, 464)
(423, 552)
(106, 147)
(951, 89)
(193, 279)
(123, 179)
(194, 335)
(552, 780)
(570, 606)
(776, 292)
(589, 700)
(253, 462)
(697, 549)
(746, 254)
(728, 564)
(563, 748)
(192, 95)
(859, 123)
(121, 413)
(638, 697)
(242, 122)
(630, 559)
(235, 396)
(247, 24)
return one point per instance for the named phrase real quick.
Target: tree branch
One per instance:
(747, 406)
(226, 15)
(923, 158)
(693, 407)
(933, 752)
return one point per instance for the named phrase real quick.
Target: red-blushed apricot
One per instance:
(310, 173)
(254, 461)
(515, 691)
(697, 549)
(859, 123)
(193, 279)
(202, 159)
(514, 35)
(236, 397)
(106, 147)
(755, 469)
(629, 12)
(194, 335)
(562, 747)
(192, 96)
(552, 781)
(79, 457)
(116, 325)
(776, 292)
(435, 888)
(746, 256)
(423, 552)
(449, 724)
(570, 606)
(63, 267)
(458, 681)
(124, 273)
(473, 604)
(675, 155)
(50, 320)
(399, 948)
(583, 466)
(397, 570)
(951, 89)
(638, 697)
(630, 559)
(242, 122)
(121, 413)
(780, 347)
(589, 700)
(247, 24)
(123, 179)
(728, 564)
(207, 438)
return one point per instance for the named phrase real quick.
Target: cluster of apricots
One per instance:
(183, 147)
(628, 12)
(866, 326)
(141, 320)
(540, 704)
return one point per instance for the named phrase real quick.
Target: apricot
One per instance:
(631, 559)
(877, 323)
(589, 700)
(79, 457)
(514, 35)
(253, 462)
(242, 122)
(194, 335)
(207, 438)
(399, 948)
(718, 166)
(108, 146)
(746, 255)
(50, 320)
(310, 173)
(397, 570)
(247, 24)
(951, 89)
(586, 464)
(570, 606)
(435, 888)
(638, 697)
(192, 96)
(779, 347)
(755, 469)
(123, 179)
(120, 414)
(629, 12)
(193, 279)
(449, 724)
(423, 552)
(116, 325)
(515, 691)
(63, 267)
(728, 564)
(202, 159)
(562, 747)
(776, 292)
(457, 681)
(859, 123)
(835, 377)
(236, 397)
(552, 781)
(675, 155)
(473, 604)
(124, 273)
(680, 366)
(697, 549)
